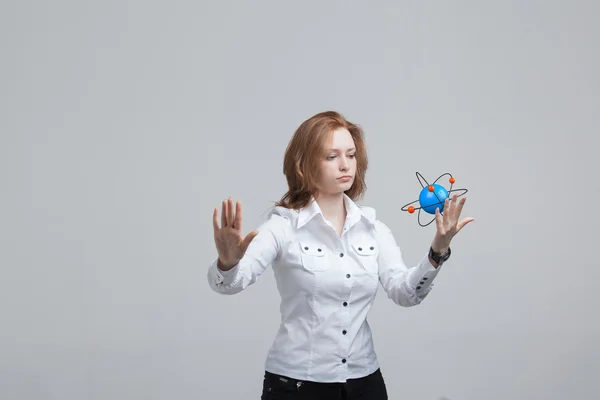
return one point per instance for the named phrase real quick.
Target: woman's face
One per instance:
(338, 166)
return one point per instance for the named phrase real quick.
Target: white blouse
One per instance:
(327, 284)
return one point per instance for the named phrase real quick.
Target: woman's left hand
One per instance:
(448, 224)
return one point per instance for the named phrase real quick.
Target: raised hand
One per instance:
(231, 246)
(447, 224)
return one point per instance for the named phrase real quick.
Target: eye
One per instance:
(330, 157)
(352, 155)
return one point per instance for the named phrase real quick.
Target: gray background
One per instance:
(125, 122)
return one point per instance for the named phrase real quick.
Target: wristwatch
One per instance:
(437, 257)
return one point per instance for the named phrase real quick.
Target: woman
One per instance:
(328, 256)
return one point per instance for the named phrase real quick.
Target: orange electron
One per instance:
(452, 180)
(411, 209)
(430, 188)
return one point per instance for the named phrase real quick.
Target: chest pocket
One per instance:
(314, 256)
(366, 254)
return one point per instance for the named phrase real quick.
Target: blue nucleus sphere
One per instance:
(431, 200)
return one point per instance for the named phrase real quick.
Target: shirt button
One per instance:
(345, 304)
(344, 361)
(418, 287)
(341, 254)
(347, 275)
(344, 332)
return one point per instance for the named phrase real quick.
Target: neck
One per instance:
(332, 206)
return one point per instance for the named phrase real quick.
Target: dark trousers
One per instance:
(277, 387)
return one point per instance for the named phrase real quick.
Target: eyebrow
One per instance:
(351, 149)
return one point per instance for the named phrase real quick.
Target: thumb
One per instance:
(249, 237)
(462, 223)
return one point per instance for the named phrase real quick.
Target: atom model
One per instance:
(432, 196)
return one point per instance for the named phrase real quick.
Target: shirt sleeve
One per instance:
(405, 286)
(261, 252)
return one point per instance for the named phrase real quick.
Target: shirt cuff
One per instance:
(223, 277)
(423, 275)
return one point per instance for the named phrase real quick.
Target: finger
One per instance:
(446, 207)
(230, 212)
(438, 219)
(464, 222)
(460, 206)
(237, 223)
(215, 219)
(248, 239)
(224, 214)
(453, 206)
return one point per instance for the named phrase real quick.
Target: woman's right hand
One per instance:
(228, 238)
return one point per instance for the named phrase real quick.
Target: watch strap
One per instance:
(438, 257)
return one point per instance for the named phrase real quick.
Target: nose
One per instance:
(344, 164)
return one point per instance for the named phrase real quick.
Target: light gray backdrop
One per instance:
(125, 122)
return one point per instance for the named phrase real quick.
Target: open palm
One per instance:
(448, 224)
(230, 244)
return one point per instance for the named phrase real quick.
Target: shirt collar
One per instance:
(355, 213)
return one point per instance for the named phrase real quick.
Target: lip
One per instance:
(345, 177)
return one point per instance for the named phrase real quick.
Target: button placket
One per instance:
(347, 283)
(345, 274)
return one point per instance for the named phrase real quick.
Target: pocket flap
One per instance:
(312, 249)
(365, 249)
